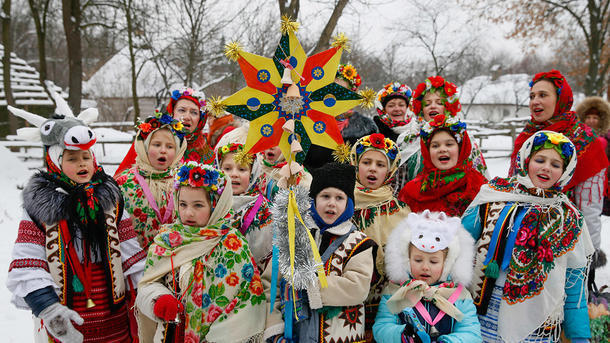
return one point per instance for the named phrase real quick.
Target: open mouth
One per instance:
(235, 183)
(538, 111)
(270, 156)
(162, 160)
(330, 213)
(433, 113)
(187, 126)
(444, 159)
(543, 177)
(82, 172)
(372, 178)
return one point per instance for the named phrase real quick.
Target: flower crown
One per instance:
(557, 141)
(348, 73)
(393, 88)
(228, 148)
(445, 89)
(553, 75)
(191, 93)
(199, 175)
(441, 121)
(156, 121)
(375, 141)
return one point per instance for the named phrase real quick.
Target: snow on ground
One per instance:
(17, 325)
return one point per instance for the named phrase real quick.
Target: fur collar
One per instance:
(458, 263)
(46, 202)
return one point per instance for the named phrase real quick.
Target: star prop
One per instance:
(268, 105)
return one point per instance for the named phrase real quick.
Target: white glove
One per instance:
(58, 319)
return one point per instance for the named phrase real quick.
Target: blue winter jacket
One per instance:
(387, 327)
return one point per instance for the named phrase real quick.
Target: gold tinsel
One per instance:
(243, 158)
(233, 51)
(288, 25)
(368, 97)
(341, 41)
(216, 107)
(341, 153)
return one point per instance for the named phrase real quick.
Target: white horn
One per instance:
(61, 106)
(32, 118)
(88, 116)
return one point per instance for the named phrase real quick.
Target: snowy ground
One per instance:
(17, 325)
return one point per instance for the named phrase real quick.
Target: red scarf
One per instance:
(450, 191)
(589, 146)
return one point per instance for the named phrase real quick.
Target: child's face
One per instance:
(194, 206)
(444, 150)
(239, 173)
(330, 204)
(188, 113)
(272, 154)
(426, 266)
(372, 169)
(592, 120)
(543, 99)
(161, 149)
(432, 105)
(545, 168)
(396, 108)
(77, 165)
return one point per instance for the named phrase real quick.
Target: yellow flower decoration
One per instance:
(557, 138)
(349, 72)
(178, 126)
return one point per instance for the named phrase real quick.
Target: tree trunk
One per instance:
(132, 60)
(8, 48)
(40, 23)
(324, 41)
(72, 19)
(291, 9)
(594, 81)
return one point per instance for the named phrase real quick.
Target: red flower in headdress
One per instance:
(453, 108)
(438, 121)
(145, 127)
(437, 81)
(377, 140)
(419, 90)
(450, 88)
(196, 177)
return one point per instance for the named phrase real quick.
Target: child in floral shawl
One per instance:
(532, 248)
(148, 187)
(200, 282)
(376, 210)
(251, 209)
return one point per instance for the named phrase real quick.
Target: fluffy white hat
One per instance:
(430, 232)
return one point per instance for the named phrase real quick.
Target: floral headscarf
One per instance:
(348, 73)
(445, 89)
(451, 190)
(393, 90)
(377, 142)
(565, 121)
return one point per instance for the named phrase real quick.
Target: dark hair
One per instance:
(444, 129)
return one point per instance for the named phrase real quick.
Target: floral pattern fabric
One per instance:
(223, 282)
(145, 221)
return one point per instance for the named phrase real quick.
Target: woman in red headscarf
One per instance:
(448, 181)
(550, 105)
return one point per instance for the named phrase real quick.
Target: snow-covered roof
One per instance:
(25, 84)
(507, 89)
(113, 79)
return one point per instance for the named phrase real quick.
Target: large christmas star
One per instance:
(265, 104)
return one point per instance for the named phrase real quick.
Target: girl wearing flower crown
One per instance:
(434, 96)
(377, 211)
(188, 106)
(429, 262)
(550, 105)
(252, 216)
(532, 248)
(448, 181)
(201, 282)
(392, 103)
(148, 187)
(76, 257)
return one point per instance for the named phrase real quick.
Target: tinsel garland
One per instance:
(305, 267)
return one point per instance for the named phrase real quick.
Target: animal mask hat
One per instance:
(377, 142)
(61, 131)
(545, 140)
(348, 73)
(393, 90)
(445, 89)
(431, 232)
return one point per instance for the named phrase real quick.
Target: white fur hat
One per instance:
(430, 231)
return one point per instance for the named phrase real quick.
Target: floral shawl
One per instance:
(589, 146)
(551, 236)
(449, 191)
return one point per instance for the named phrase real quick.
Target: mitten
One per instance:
(167, 307)
(58, 319)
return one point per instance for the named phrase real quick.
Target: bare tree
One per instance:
(8, 48)
(40, 10)
(71, 10)
(548, 19)
(324, 40)
(290, 8)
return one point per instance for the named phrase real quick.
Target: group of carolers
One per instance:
(417, 245)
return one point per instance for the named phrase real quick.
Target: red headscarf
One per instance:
(450, 191)
(590, 148)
